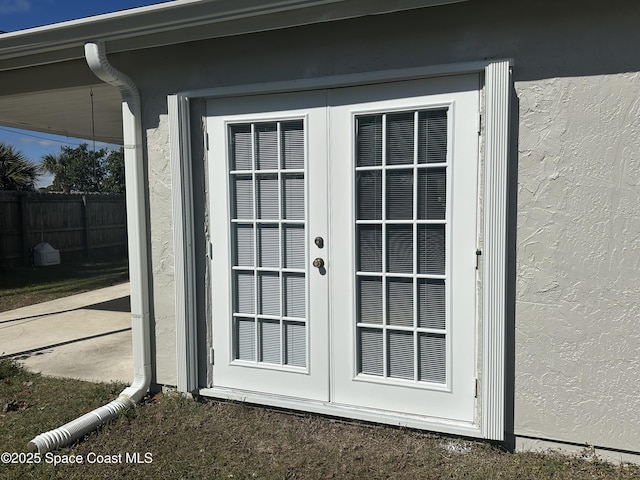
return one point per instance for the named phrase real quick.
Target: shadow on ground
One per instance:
(116, 305)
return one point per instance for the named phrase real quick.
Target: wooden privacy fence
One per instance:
(91, 224)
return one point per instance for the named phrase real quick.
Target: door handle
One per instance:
(318, 263)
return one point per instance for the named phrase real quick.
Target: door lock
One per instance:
(318, 263)
(319, 241)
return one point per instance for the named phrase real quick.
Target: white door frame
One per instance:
(497, 94)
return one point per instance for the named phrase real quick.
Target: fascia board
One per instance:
(139, 22)
(181, 21)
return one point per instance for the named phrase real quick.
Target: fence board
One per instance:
(93, 223)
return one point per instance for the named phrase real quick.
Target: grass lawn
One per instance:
(194, 439)
(187, 439)
(21, 286)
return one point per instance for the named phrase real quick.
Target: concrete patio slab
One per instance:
(85, 336)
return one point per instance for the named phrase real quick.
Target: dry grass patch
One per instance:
(219, 440)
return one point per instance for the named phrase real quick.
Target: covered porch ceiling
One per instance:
(67, 112)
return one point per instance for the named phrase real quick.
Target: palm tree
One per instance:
(76, 169)
(16, 171)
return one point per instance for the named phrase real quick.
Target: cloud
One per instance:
(40, 142)
(14, 6)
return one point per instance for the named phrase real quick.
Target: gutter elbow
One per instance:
(95, 54)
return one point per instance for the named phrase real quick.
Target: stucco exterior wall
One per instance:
(576, 177)
(578, 258)
(161, 237)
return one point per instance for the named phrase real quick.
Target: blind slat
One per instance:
(268, 246)
(269, 341)
(369, 300)
(370, 348)
(268, 293)
(295, 297)
(245, 339)
(400, 301)
(400, 354)
(292, 144)
(432, 358)
(295, 344)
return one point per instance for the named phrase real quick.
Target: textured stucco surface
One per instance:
(577, 178)
(161, 235)
(578, 260)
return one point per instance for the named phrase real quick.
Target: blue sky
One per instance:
(21, 14)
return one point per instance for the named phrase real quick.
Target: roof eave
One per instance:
(179, 21)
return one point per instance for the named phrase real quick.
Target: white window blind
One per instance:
(401, 228)
(266, 175)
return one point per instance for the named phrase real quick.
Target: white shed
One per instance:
(44, 255)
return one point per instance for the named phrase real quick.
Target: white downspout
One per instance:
(96, 57)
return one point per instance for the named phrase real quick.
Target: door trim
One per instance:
(183, 234)
(497, 88)
(497, 96)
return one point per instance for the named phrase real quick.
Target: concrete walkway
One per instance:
(85, 336)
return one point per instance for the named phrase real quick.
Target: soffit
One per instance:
(67, 112)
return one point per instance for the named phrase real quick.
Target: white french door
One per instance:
(344, 239)
(268, 205)
(403, 291)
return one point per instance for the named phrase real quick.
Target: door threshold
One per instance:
(447, 426)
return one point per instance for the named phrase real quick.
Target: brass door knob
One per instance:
(318, 263)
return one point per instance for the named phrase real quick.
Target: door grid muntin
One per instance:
(267, 162)
(401, 191)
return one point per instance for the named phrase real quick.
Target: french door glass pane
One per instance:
(369, 195)
(267, 204)
(293, 196)
(369, 299)
(295, 351)
(399, 137)
(369, 248)
(292, 145)
(432, 359)
(268, 293)
(432, 194)
(270, 341)
(401, 224)
(294, 292)
(268, 225)
(244, 336)
(293, 246)
(268, 245)
(369, 141)
(432, 136)
(242, 207)
(400, 354)
(431, 249)
(241, 156)
(400, 301)
(400, 194)
(400, 248)
(370, 348)
(431, 303)
(244, 244)
(244, 292)
(266, 146)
